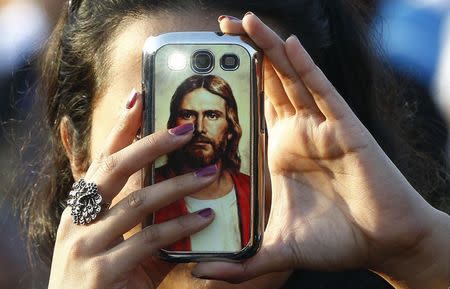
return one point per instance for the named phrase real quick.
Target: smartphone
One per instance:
(214, 81)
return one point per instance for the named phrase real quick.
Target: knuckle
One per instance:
(183, 225)
(98, 159)
(151, 140)
(101, 156)
(177, 184)
(99, 264)
(307, 69)
(135, 199)
(272, 45)
(159, 142)
(245, 270)
(109, 164)
(78, 247)
(151, 234)
(189, 183)
(328, 90)
(241, 275)
(289, 79)
(98, 268)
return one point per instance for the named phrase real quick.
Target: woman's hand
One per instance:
(338, 202)
(96, 255)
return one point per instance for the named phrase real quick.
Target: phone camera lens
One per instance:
(202, 61)
(229, 62)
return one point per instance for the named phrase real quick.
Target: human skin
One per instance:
(207, 112)
(345, 205)
(125, 74)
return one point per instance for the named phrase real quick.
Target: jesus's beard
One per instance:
(194, 156)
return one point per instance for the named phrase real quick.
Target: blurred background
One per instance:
(414, 34)
(24, 27)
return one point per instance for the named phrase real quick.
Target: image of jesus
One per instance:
(208, 102)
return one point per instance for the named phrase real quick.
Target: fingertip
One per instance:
(295, 52)
(139, 105)
(251, 18)
(128, 124)
(249, 14)
(204, 218)
(255, 28)
(230, 24)
(206, 214)
(181, 130)
(132, 113)
(248, 17)
(132, 98)
(228, 17)
(208, 171)
(293, 39)
(240, 272)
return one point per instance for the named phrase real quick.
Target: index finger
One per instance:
(113, 172)
(124, 131)
(231, 25)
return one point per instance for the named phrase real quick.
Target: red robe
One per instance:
(242, 188)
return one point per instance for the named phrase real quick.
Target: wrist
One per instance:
(425, 265)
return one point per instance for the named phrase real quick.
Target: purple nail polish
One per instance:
(221, 17)
(205, 213)
(206, 171)
(182, 129)
(232, 18)
(132, 99)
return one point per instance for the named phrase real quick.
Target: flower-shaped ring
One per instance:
(85, 201)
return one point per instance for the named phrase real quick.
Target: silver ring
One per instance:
(85, 201)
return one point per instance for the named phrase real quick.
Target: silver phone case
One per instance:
(257, 134)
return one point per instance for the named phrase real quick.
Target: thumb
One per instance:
(265, 261)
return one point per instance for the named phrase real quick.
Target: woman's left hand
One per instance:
(338, 202)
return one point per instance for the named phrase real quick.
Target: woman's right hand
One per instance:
(96, 255)
(338, 201)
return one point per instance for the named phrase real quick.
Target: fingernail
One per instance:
(206, 171)
(182, 129)
(197, 276)
(203, 277)
(249, 13)
(132, 99)
(232, 18)
(294, 37)
(205, 213)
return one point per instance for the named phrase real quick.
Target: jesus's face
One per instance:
(207, 112)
